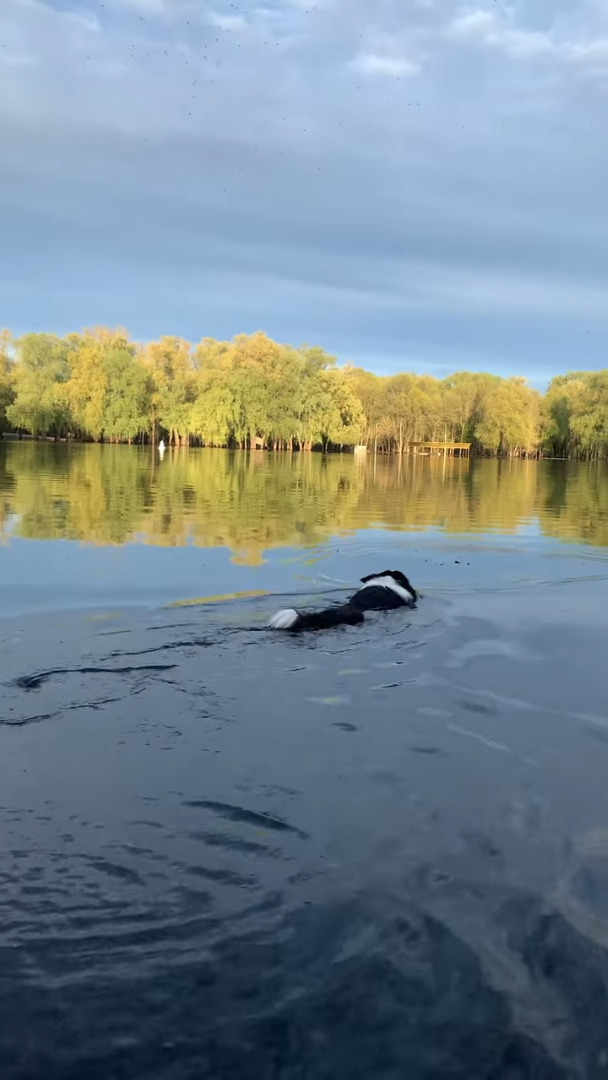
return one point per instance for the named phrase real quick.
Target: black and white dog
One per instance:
(379, 592)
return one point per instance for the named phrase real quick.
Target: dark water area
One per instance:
(380, 851)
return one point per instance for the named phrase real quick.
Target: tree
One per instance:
(370, 390)
(576, 415)
(40, 373)
(127, 395)
(212, 412)
(171, 367)
(7, 393)
(343, 419)
(510, 421)
(460, 395)
(87, 386)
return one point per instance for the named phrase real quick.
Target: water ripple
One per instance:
(413, 882)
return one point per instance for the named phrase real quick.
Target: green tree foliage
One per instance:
(170, 365)
(7, 393)
(127, 395)
(39, 374)
(510, 420)
(87, 391)
(253, 392)
(576, 415)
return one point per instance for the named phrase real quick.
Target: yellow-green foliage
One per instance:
(252, 391)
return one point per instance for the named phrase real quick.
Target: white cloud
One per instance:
(590, 52)
(227, 22)
(475, 24)
(489, 194)
(486, 28)
(32, 31)
(483, 27)
(526, 44)
(371, 63)
(146, 7)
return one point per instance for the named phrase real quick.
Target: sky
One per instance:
(412, 184)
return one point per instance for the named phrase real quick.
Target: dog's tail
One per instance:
(340, 615)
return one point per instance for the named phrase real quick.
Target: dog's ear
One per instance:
(404, 581)
(379, 573)
(369, 577)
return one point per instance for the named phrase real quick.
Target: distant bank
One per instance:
(252, 393)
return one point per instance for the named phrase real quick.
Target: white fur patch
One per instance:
(389, 583)
(283, 620)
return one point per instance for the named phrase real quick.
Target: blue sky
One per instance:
(413, 184)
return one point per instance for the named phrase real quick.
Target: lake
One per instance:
(380, 851)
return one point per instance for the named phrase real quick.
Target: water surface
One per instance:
(376, 852)
(128, 527)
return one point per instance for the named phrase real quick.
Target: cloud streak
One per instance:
(392, 66)
(501, 32)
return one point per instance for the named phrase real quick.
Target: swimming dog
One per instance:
(379, 592)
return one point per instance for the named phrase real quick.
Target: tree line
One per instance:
(99, 386)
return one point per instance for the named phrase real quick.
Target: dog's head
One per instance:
(398, 578)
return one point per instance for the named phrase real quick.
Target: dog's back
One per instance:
(379, 592)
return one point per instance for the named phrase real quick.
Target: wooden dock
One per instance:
(442, 449)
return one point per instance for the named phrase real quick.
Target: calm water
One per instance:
(375, 852)
(129, 528)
